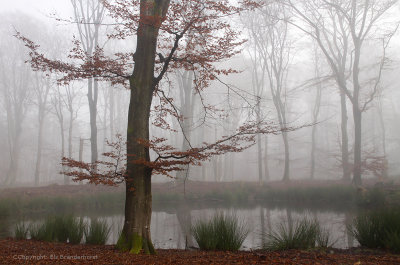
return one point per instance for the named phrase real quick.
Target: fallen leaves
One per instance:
(35, 252)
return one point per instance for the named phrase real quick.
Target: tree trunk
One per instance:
(266, 167)
(66, 178)
(14, 162)
(357, 145)
(135, 234)
(92, 98)
(287, 157)
(259, 160)
(112, 114)
(262, 223)
(39, 149)
(345, 138)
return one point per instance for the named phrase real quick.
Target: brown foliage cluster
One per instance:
(111, 171)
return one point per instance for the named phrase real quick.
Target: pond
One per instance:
(170, 225)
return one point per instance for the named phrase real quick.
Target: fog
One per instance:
(302, 119)
(33, 103)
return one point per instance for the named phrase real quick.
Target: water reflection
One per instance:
(170, 229)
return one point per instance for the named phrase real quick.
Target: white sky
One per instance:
(38, 8)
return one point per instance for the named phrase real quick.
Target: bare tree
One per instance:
(67, 99)
(341, 28)
(15, 87)
(315, 111)
(89, 14)
(42, 87)
(186, 110)
(271, 38)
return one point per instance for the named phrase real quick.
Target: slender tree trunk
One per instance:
(286, 172)
(14, 138)
(383, 128)
(135, 234)
(315, 114)
(357, 145)
(92, 98)
(266, 167)
(70, 129)
(259, 160)
(14, 162)
(80, 154)
(357, 112)
(39, 149)
(345, 139)
(184, 217)
(112, 130)
(62, 134)
(262, 223)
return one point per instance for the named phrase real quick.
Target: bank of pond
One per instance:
(304, 218)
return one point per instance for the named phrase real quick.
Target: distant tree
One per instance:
(15, 88)
(89, 15)
(341, 28)
(41, 87)
(271, 36)
(161, 27)
(315, 110)
(66, 98)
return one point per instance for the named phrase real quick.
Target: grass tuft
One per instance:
(21, 231)
(304, 234)
(222, 232)
(98, 232)
(60, 229)
(378, 229)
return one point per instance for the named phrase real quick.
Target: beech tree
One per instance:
(341, 29)
(89, 14)
(161, 29)
(271, 37)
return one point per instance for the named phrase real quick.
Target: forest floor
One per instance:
(35, 252)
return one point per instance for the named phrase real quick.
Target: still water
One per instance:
(170, 228)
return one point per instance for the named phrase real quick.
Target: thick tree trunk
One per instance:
(135, 234)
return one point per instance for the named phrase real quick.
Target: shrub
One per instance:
(21, 231)
(97, 233)
(222, 232)
(378, 229)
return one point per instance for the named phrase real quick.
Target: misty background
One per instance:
(42, 121)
